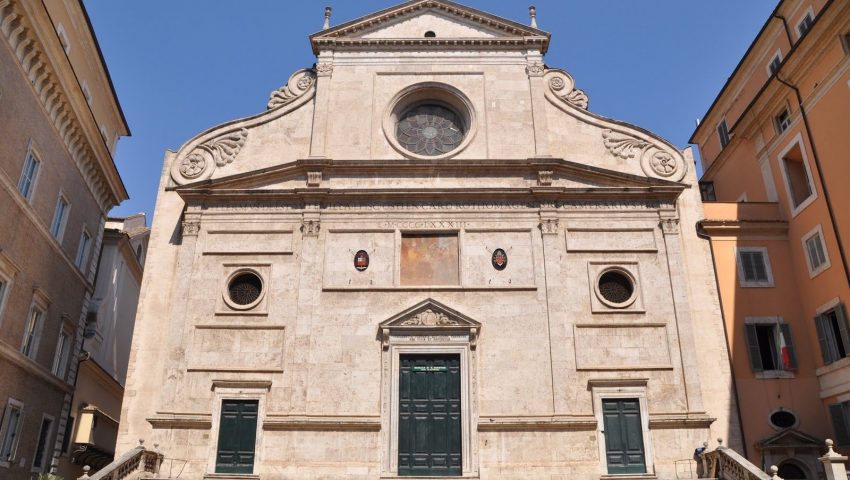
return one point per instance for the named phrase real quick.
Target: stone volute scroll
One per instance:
(562, 85)
(220, 146)
(298, 84)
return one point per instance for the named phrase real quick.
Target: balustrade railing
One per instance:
(131, 465)
(724, 463)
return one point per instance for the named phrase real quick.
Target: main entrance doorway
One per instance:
(429, 432)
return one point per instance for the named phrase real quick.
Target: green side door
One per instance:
(237, 436)
(623, 436)
(429, 433)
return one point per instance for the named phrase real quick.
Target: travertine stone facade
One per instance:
(294, 193)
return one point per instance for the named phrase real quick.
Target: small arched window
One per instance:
(430, 34)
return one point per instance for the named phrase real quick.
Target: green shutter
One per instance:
(841, 318)
(839, 424)
(753, 348)
(785, 331)
(827, 349)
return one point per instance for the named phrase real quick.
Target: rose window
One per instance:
(245, 288)
(430, 130)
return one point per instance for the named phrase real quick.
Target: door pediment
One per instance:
(429, 317)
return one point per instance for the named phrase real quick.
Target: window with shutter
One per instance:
(723, 133)
(770, 345)
(815, 252)
(833, 335)
(754, 267)
(839, 414)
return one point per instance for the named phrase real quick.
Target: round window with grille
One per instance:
(430, 130)
(244, 290)
(616, 288)
(783, 419)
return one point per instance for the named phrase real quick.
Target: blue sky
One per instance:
(180, 66)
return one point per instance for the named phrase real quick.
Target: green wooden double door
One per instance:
(429, 431)
(237, 436)
(624, 448)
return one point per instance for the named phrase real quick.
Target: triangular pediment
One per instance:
(432, 314)
(790, 438)
(447, 20)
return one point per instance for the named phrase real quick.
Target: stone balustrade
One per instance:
(724, 463)
(131, 465)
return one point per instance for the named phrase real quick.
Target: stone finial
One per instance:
(774, 473)
(86, 471)
(719, 442)
(532, 12)
(142, 442)
(705, 445)
(833, 463)
(327, 23)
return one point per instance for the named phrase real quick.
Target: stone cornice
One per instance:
(98, 171)
(521, 167)
(522, 423)
(744, 228)
(426, 44)
(338, 36)
(180, 420)
(338, 423)
(661, 421)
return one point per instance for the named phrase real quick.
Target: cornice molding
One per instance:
(337, 423)
(16, 29)
(521, 423)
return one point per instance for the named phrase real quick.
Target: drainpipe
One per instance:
(808, 129)
(701, 234)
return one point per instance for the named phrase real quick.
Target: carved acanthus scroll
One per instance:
(622, 145)
(218, 151)
(298, 84)
(655, 159)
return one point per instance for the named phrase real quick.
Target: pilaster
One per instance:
(324, 72)
(669, 225)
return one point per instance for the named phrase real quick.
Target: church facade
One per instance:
(428, 258)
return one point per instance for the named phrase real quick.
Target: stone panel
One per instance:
(621, 347)
(478, 248)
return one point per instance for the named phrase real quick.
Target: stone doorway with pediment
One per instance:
(428, 328)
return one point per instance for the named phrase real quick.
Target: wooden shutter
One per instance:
(785, 331)
(839, 424)
(824, 334)
(753, 348)
(841, 318)
(747, 266)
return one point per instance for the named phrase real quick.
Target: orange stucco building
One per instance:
(774, 153)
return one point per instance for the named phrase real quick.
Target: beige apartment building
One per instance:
(61, 121)
(96, 407)
(774, 152)
(428, 258)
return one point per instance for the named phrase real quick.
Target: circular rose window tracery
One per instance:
(430, 130)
